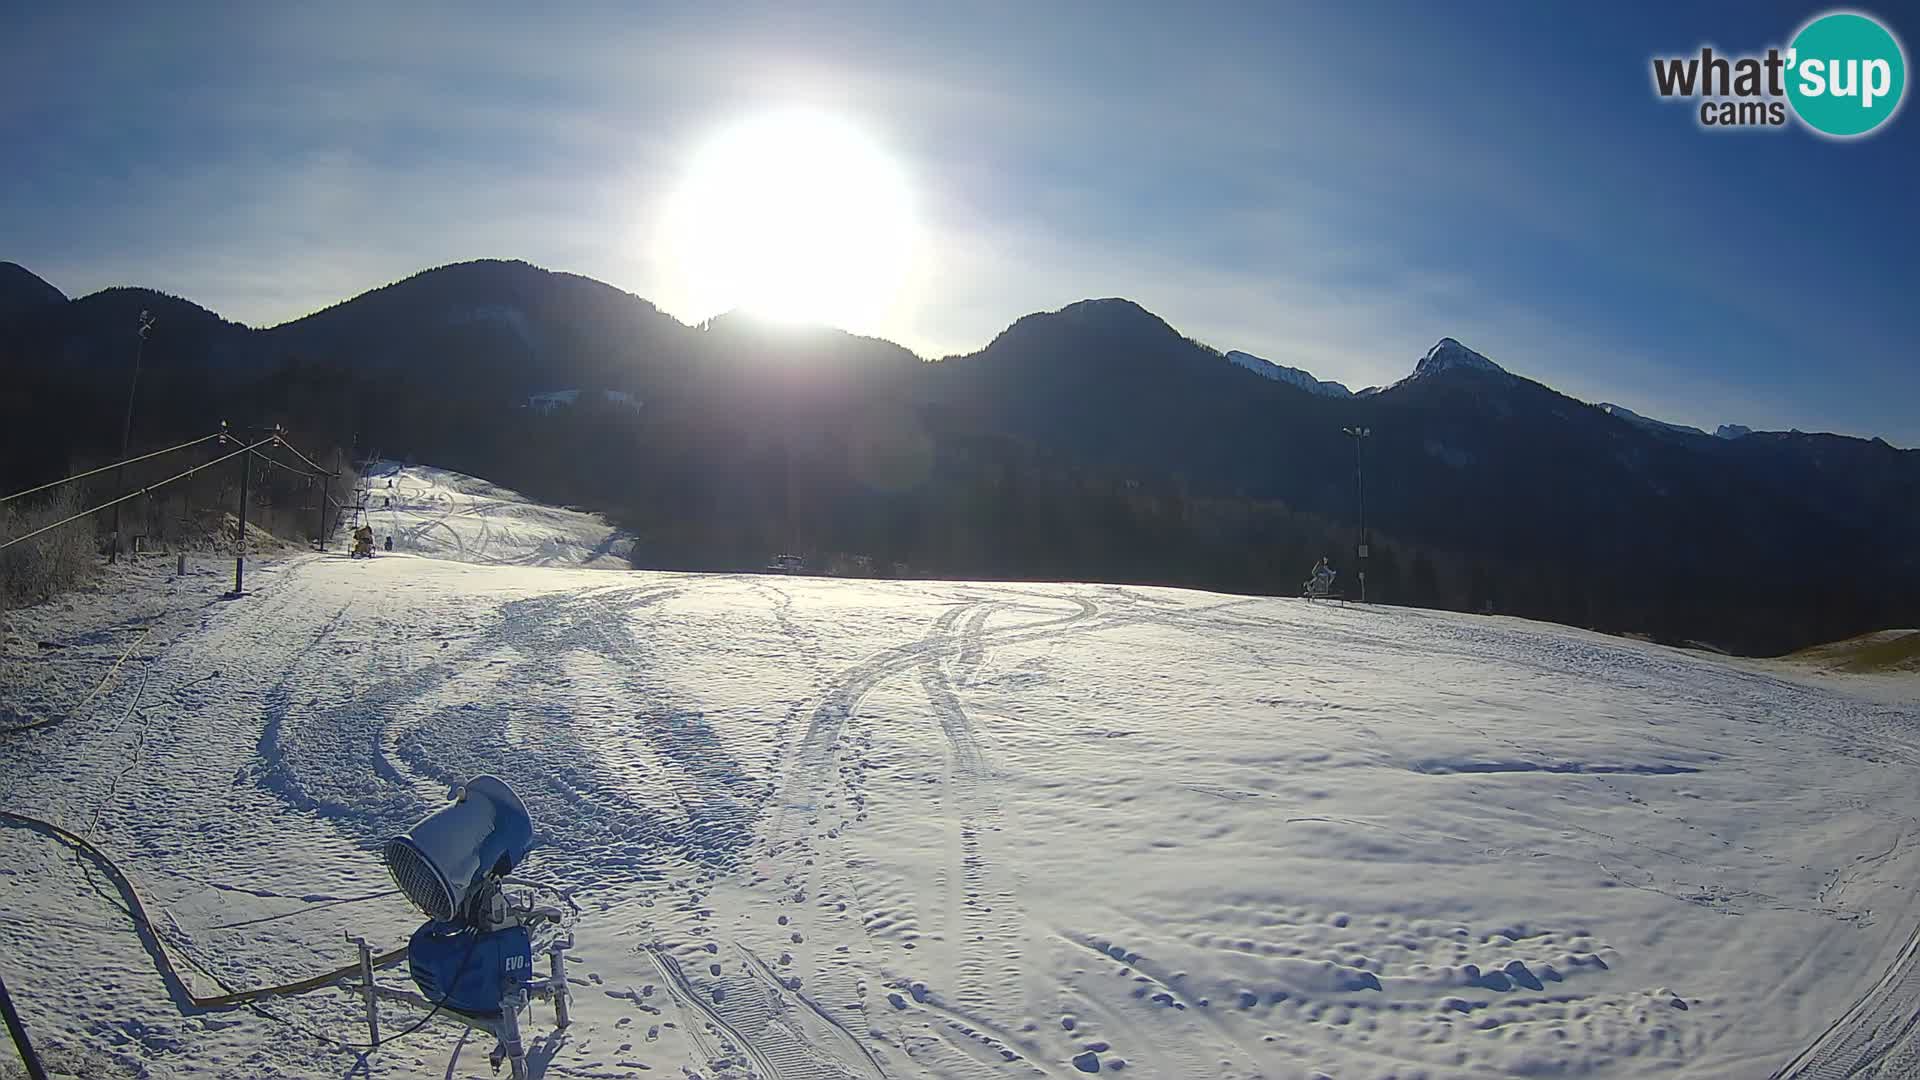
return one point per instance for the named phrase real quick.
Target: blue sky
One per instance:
(1332, 189)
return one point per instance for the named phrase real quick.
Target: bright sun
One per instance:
(794, 215)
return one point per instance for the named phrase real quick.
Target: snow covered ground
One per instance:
(448, 515)
(829, 829)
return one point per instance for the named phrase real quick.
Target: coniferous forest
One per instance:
(1094, 443)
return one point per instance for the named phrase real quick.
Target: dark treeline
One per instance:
(59, 419)
(721, 476)
(1093, 443)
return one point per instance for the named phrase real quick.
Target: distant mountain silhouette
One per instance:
(1632, 417)
(1093, 440)
(23, 290)
(506, 323)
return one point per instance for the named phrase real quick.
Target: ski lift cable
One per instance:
(289, 468)
(109, 468)
(282, 443)
(310, 462)
(129, 496)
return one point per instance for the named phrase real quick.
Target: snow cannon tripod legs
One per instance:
(557, 981)
(507, 1029)
(511, 1047)
(366, 984)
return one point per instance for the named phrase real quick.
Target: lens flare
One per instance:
(796, 215)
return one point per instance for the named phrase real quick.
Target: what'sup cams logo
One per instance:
(1844, 75)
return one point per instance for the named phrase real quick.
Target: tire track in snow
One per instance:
(836, 1031)
(786, 1066)
(983, 922)
(753, 1014)
(816, 782)
(803, 639)
(708, 784)
(387, 762)
(362, 759)
(481, 542)
(846, 691)
(714, 804)
(308, 751)
(425, 503)
(1876, 1036)
(478, 508)
(758, 1015)
(973, 647)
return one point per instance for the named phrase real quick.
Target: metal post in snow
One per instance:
(240, 555)
(126, 428)
(366, 985)
(1360, 473)
(1360, 436)
(186, 503)
(320, 526)
(19, 1032)
(327, 484)
(557, 979)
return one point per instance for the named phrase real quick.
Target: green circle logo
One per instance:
(1845, 74)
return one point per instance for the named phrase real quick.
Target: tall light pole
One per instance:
(126, 428)
(1360, 436)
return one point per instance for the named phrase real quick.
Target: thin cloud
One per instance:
(1235, 178)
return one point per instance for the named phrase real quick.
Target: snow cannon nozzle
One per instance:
(445, 863)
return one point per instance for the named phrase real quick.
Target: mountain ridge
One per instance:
(1092, 441)
(1305, 380)
(1112, 314)
(23, 290)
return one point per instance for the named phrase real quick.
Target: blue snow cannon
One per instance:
(446, 861)
(472, 955)
(467, 969)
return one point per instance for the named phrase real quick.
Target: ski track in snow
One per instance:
(442, 514)
(1878, 1037)
(823, 830)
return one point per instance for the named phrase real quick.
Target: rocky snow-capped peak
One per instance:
(1291, 375)
(1450, 355)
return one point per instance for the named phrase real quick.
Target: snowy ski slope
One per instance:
(448, 515)
(829, 829)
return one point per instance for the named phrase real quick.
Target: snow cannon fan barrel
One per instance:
(443, 863)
